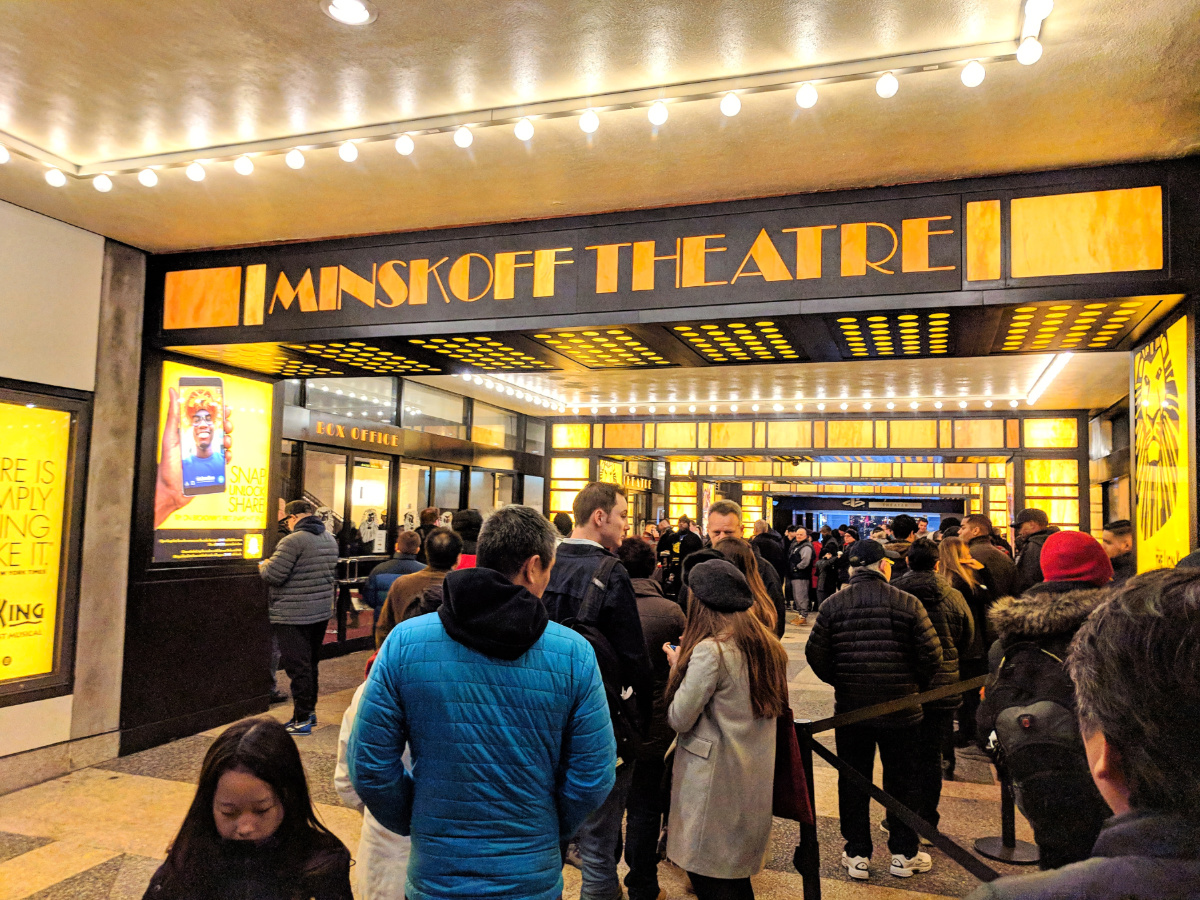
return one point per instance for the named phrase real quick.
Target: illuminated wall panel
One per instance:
(624, 434)
(681, 435)
(851, 433)
(788, 435)
(571, 437)
(727, 435)
(916, 434)
(978, 433)
(1052, 434)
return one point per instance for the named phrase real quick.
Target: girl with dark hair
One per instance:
(741, 554)
(251, 830)
(728, 686)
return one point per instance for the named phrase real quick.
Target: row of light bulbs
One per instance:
(887, 85)
(518, 392)
(780, 407)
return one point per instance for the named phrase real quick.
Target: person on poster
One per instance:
(169, 493)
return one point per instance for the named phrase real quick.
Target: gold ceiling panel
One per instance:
(879, 335)
(366, 357)
(268, 359)
(603, 348)
(1078, 325)
(749, 341)
(483, 352)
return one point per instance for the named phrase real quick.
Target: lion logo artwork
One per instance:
(1156, 396)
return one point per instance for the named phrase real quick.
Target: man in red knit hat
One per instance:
(1027, 720)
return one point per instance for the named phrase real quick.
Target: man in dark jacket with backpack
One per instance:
(301, 575)
(1027, 719)
(587, 573)
(1033, 527)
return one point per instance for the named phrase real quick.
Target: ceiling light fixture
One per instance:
(671, 410)
(658, 113)
(1051, 372)
(731, 105)
(914, 405)
(55, 178)
(102, 183)
(1014, 403)
(5, 156)
(523, 130)
(754, 408)
(243, 165)
(733, 407)
(973, 73)
(148, 177)
(691, 409)
(987, 403)
(821, 407)
(589, 121)
(937, 404)
(463, 136)
(350, 12)
(405, 145)
(1030, 51)
(845, 406)
(962, 404)
(799, 406)
(294, 159)
(891, 405)
(348, 151)
(887, 85)
(806, 96)
(195, 172)
(866, 406)
(651, 410)
(712, 408)
(633, 410)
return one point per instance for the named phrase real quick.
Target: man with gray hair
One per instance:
(875, 643)
(487, 684)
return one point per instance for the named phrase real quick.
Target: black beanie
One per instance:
(720, 586)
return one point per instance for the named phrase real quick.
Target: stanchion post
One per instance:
(808, 855)
(1007, 848)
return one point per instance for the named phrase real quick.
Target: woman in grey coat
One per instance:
(728, 686)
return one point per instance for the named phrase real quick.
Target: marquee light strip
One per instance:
(683, 92)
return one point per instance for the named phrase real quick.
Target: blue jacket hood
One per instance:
(311, 524)
(483, 610)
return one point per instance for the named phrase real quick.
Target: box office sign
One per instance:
(854, 249)
(34, 451)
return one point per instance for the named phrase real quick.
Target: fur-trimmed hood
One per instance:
(1043, 614)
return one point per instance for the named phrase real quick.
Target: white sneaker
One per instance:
(858, 867)
(906, 867)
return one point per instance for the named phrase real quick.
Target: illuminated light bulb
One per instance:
(613, 410)
(195, 172)
(937, 404)
(866, 406)
(148, 177)
(1039, 9)
(658, 112)
(55, 178)
(712, 407)
(987, 403)
(887, 85)
(973, 73)
(806, 97)
(891, 405)
(463, 136)
(1030, 51)
(102, 183)
(962, 404)
(691, 409)
(671, 409)
(633, 410)
(477, 380)
(845, 406)
(589, 121)
(731, 104)
(778, 407)
(5, 156)
(405, 145)
(294, 159)
(754, 408)
(488, 384)
(349, 12)
(595, 410)
(821, 407)
(348, 151)
(650, 410)
(523, 130)
(733, 407)
(1014, 403)
(575, 410)
(914, 405)
(799, 406)
(243, 165)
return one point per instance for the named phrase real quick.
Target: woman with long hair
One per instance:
(966, 575)
(741, 553)
(251, 830)
(728, 685)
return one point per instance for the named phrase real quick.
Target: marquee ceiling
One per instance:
(118, 81)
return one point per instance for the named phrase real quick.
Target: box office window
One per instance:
(432, 411)
(372, 399)
(535, 437)
(494, 427)
(535, 487)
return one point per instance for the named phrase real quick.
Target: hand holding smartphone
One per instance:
(202, 435)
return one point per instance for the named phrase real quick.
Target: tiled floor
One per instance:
(101, 832)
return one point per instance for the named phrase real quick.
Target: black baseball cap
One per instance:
(865, 553)
(1031, 515)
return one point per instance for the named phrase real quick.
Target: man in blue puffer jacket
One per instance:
(506, 719)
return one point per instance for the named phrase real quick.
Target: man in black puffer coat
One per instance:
(874, 642)
(301, 575)
(951, 617)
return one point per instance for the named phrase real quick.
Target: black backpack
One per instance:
(1027, 715)
(622, 709)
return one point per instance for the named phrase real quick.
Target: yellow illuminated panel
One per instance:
(1051, 471)
(875, 470)
(649, 445)
(1087, 233)
(944, 434)
(561, 501)
(624, 434)
(1162, 426)
(835, 470)
(569, 467)
(983, 240)
(760, 434)
(571, 437)
(610, 472)
(33, 487)
(726, 435)
(680, 468)
(1052, 485)
(757, 468)
(677, 435)
(881, 434)
(1052, 434)
(917, 434)
(970, 433)
(918, 470)
(1097, 508)
(855, 434)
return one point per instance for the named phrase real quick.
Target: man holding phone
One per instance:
(170, 492)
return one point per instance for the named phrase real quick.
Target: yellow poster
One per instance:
(214, 450)
(1161, 427)
(34, 443)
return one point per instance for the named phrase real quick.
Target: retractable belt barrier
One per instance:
(807, 858)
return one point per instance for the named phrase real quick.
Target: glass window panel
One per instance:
(702, 435)
(414, 495)
(369, 507)
(649, 436)
(535, 437)
(881, 434)
(1058, 434)
(819, 434)
(681, 467)
(1051, 471)
(1063, 513)
(917, 470)
(624, 434)
(917, 434)
(719, 468)
(561, 501)
(535, 485)
(493, 426)
(373, 399)
(1051, 490)
(677, 434)
(757, 468)
(1013, 433)
(432, 411)
(944, 433)
(760, 434)
(447, 484)
(325, 485)
(858, 434)
(572, 437)
(788, 435)
(997, 470)
(567, 484)
(569, 467)
(835, 470)
(490, 491)
(726, 435)
(291, 392)
(978, 433)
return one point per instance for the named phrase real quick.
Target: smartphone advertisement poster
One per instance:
(34, 444)
(214, 450)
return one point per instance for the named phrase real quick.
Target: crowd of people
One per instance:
(561, 693)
